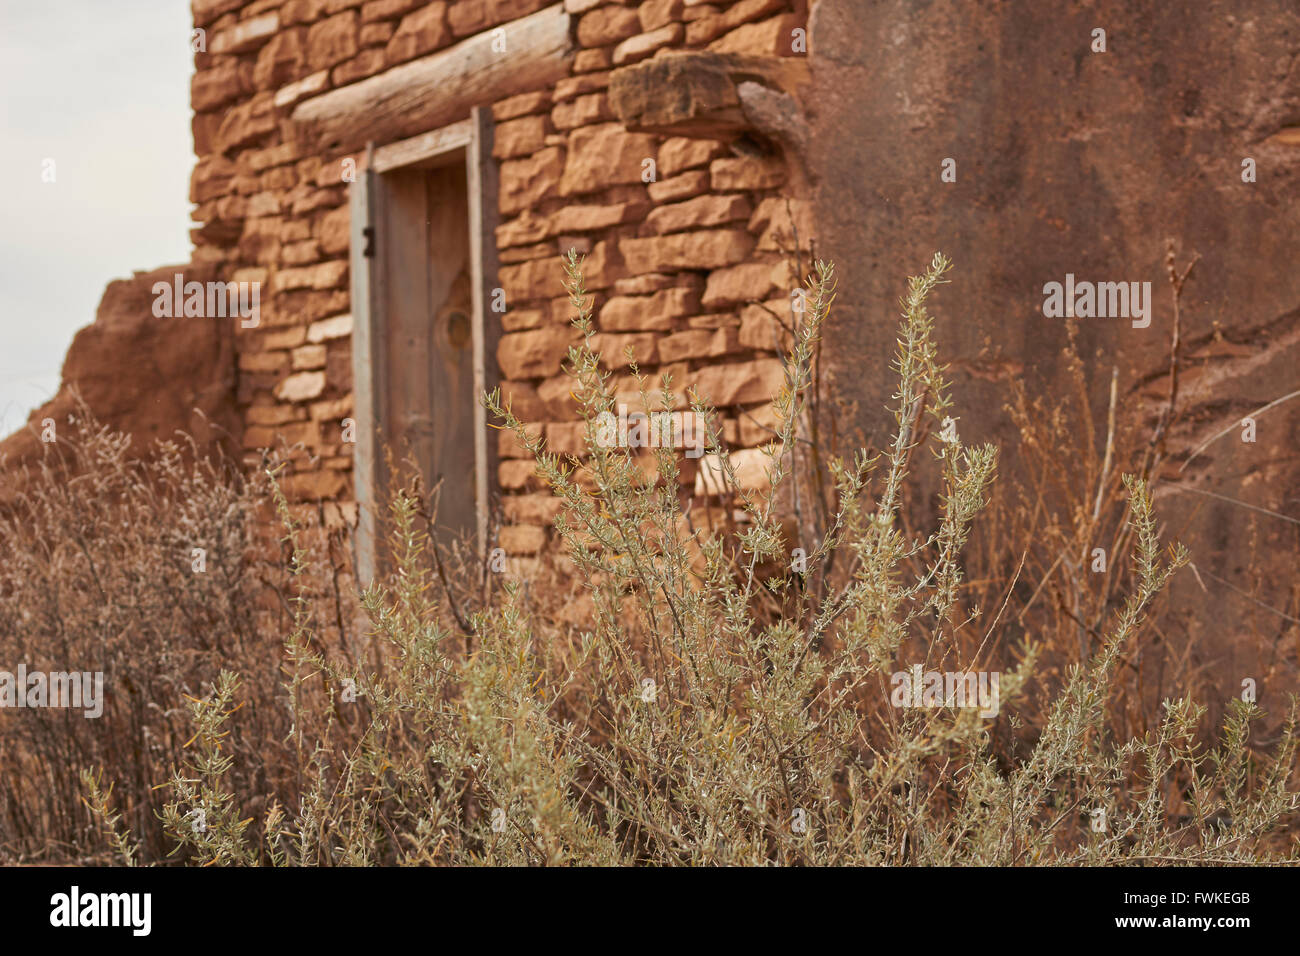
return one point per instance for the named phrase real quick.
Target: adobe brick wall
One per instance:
(675, 264)
(1070, 160)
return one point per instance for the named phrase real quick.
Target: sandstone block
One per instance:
(766, 38)
(570, 219)
(272, 414)
(291, 93)
(656, 313)
(699, 212)
(532, 509)
(308, 357)
(751, 467)
(710, 249)
(314, 485)
(387, 9)
(332, 40)
(520, 137)
(332, 412)
(657, 13)
(377, 34)
(523, 230)
(612, 348)
(212, 177)
(750, 383)
(326, 330)
(607, 25)
(366, 63)
(326, 275)
(643, 44)
(556, 394)
(420, 32)
(682, 152)
(698, 344)
(301, 387)
(525, 182)
(301, 11)
(246, 35)
(737, 172)
(516, 254)
(263, 204)
(585, 110)
(509, 445)
(655, 281)
(216, 86)
(333, 230)
(306, 433)
(521, 105)
(571, 86)
(566, 438)
(522, 539)
(246, 123)
(263, 361)
(514, 320)
(707, 28)
(688, 184)
(284, 338)
(468, 17)
(534, 353)
(523, 399)
(282, 59)
(605, 155)
(737, 284)
(588, 61)
(601, 269)
(513, 474)
(205, 11)
(758, 425)
(536, 279)
(300, 253)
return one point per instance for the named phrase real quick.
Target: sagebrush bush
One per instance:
(720, 703)
(153, 572)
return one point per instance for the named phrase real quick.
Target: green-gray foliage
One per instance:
(755, 722)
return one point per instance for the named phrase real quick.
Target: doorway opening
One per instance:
(423, 348)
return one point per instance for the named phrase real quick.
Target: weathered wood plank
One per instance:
(365, 350)
(443, 87)
(483, 220)
(446, 363)
(432, 146)
(404, 384)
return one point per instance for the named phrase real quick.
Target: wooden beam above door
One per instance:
(441, 88)
(425, 148)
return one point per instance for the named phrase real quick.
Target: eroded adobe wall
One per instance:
(1074, 161)
(154, 378)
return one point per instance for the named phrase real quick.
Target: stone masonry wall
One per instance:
(678, 264)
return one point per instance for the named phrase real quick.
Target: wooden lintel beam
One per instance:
(441, 88)
(425, 148)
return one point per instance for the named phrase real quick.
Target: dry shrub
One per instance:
(101, 574)
(722, 704)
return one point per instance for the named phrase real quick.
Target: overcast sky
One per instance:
(102, 88)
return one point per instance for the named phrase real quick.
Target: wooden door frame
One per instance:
(367, 199)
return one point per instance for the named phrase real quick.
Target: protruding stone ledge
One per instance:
(703, 94)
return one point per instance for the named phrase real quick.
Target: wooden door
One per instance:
(424, 267)
(427, 380)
